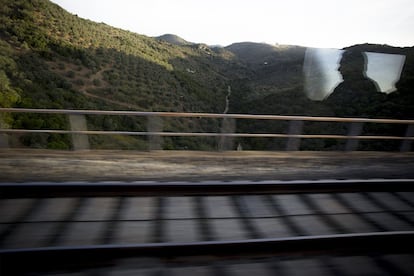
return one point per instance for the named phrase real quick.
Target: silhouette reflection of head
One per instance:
(352, 65)
(354, 95)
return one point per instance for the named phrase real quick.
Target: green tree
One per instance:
(8, 95)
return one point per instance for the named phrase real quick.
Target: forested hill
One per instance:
(50, 58)
(63, 61)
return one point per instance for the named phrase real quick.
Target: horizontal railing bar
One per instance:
(206, 115)
(205, 134)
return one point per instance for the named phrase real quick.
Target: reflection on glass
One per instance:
(321, 74)
(322, 71)
(385, 69)
(356, 87)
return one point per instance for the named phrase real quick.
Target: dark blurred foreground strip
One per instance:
(20, 261)
(143, 188)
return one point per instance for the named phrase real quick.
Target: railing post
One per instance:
(406, 144)
(4, 141)
(4, 138)
(155, 124)
(228, 126)
(295, 128)
(355, 129)
(78, 123)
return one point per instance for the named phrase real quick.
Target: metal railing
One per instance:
(79, 131)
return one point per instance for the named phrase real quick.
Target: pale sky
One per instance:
(312, 23)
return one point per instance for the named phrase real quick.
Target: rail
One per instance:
(81, 257)
(60, 249)
(79, 131)
(149, 188)
(85, 232)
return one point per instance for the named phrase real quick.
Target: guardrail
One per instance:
(79, 132)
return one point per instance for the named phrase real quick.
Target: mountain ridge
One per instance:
(174, 39)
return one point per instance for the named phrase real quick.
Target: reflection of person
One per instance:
(357, 94)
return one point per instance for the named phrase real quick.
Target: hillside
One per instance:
(109, 62)
(274, 69)
(53, 59)
(50, 58)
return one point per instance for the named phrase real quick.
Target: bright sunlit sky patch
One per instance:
(314, 23)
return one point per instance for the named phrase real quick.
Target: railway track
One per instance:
(209, 228)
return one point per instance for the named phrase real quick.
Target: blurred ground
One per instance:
(47, 165)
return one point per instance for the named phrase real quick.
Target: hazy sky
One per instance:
(314, 23)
